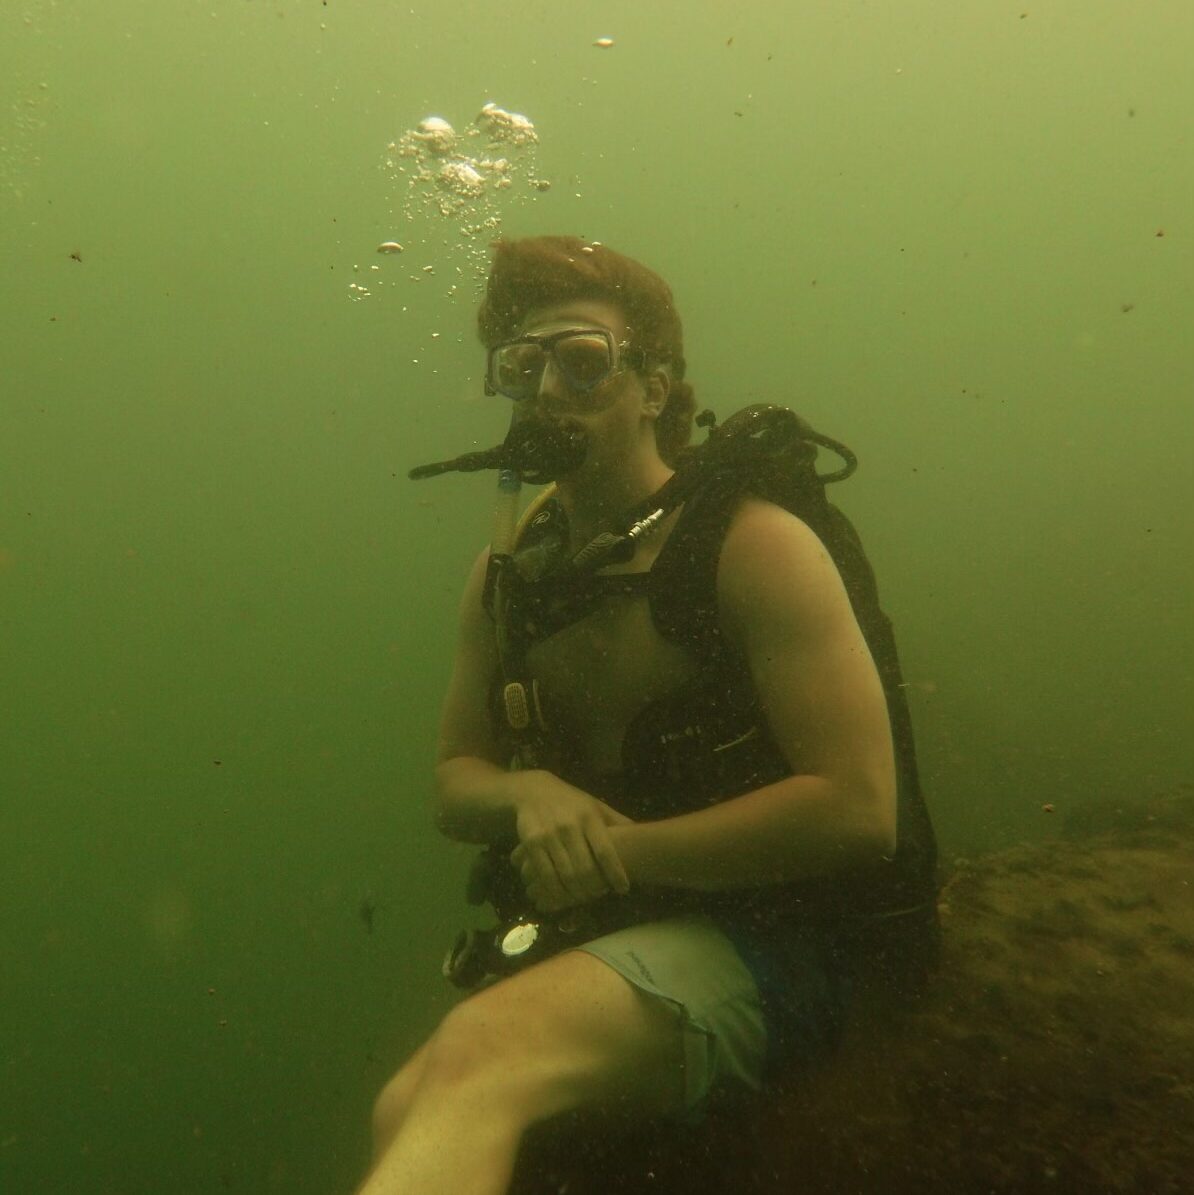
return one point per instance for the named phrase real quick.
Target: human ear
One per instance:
(658, 386)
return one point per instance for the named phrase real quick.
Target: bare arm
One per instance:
(475, 793)
(783, 603)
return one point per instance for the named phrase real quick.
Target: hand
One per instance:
(565, 854)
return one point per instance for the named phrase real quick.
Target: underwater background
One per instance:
(958, 237)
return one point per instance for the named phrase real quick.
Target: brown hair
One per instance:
(544, 271)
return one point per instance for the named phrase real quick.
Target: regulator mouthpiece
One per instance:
(537, 449)
(544, 451)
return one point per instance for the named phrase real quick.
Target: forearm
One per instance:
(475, 800)
(796, 829)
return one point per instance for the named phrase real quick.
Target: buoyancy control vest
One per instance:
(710, 741)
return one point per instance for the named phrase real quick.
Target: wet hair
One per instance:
(544, 271)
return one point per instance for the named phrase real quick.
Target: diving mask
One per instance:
(584, 357)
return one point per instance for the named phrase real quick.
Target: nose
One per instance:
(552, 388)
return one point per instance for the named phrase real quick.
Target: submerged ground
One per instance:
(1052, 1051)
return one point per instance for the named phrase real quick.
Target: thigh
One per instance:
(690, 963)
(568, 1033)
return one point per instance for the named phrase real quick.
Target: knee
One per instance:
(394, 1100)
(462, 1049)
(389, 1111)
(469, 1044)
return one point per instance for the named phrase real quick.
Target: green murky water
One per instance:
(957, 237)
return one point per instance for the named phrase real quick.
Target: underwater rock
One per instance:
(1053, 1049)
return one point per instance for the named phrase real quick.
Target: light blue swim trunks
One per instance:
(691, 963)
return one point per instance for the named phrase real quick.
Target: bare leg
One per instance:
(391, 1106)
(450, 1144)
(568, 1033)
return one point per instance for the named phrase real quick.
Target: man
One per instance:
(709, 988)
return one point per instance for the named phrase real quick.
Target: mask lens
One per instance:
(516, 369)
(584, 359)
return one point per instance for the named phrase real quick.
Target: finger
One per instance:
(586, 880)
(606, 856)
(574, 866)
(542, 902)
(543, 872)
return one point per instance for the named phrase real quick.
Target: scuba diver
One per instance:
(675, 725)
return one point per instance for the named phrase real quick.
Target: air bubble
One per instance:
(467, 175)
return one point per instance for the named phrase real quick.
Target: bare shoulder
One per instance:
(774, 566)
(473, 617)
(477, 636)
(759, 527)
(464, 722)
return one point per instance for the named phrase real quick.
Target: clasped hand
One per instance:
(565, 854)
